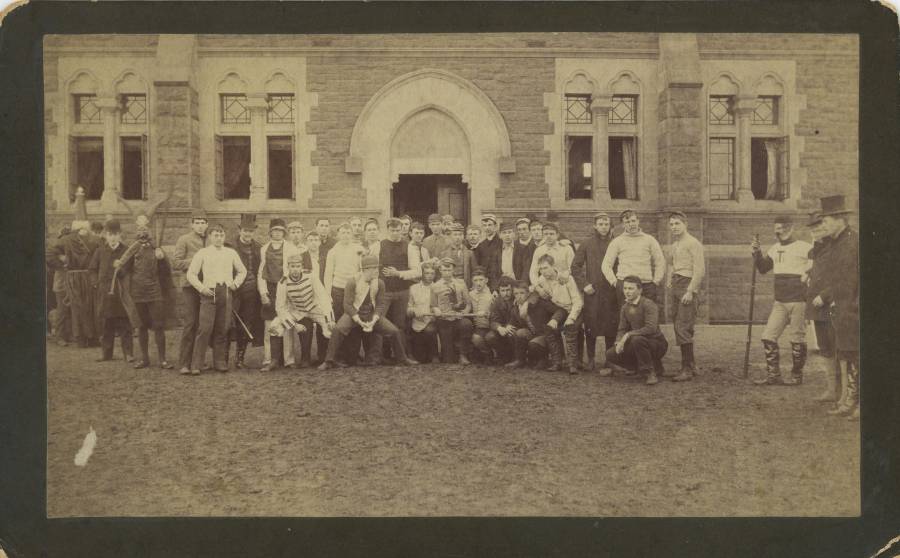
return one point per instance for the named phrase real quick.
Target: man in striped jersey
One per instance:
(789, 259)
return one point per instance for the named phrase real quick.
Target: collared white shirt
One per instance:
(218, 266)
(506, 261)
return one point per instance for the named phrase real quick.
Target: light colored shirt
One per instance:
(449, 292)
(791, 258)
(420, 298)
(342, 264)
(562, 260)
(218, 266)
(506, 261)
(481, 306)
(565, 295)
(417, 254)
(687, 260)
(638, 254)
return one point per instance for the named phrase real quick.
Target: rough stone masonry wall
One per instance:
(345, 83)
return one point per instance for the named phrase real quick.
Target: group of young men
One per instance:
(512, 293)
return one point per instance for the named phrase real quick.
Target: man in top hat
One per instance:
(841, 296)
(75, 250)
(246, 302)
(185, 247)
(687, 271)
(463, 258)
(819, 315)
(789, 259)
(364, 307)
(488, 252)
(437, 242)
(524, 250)
(223, 271)
(636, 253)
(601, 312)
(113, 317)
(272, 258)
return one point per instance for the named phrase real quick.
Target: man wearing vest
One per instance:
(789, 259)
(397, 274)
(246, 301)
(364, 307)
(185, 248)
(524, 250)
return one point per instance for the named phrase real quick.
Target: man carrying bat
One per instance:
(114, 319)
(247, 303)
(789, 259)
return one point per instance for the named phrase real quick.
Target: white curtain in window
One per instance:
(630, 169)
(772, 172)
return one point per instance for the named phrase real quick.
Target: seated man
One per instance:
(364, 308)
(423, 330)
(505, 323)
(300, 301)
(531, 338)
(451, 300)
(563, 292)
(481, 299)
(639, 343)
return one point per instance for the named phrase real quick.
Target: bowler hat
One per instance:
(248, 221)
(277, 224)
(834, 205)
(113, 226)
(814, 219)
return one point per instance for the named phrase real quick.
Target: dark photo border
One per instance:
(26, 532)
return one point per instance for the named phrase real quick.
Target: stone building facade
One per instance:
(733, 129)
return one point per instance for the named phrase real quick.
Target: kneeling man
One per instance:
(639, 343)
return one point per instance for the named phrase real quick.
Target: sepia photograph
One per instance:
(514, 274)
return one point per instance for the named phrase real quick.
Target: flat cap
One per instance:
(489, 217)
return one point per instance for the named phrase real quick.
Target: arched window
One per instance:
(134, 146)
(232, 140)
(623, 129)
(722, 130)
(769, 161)
(85, 161)
(579, 137)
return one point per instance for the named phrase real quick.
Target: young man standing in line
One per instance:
(371, 239)
(473, 236)
(463, 259)
(185, 247)
(564, 294)
(688, 269)
(406, 222)
(341, 267)
(398, 274)
(423, 330)
(317, 258)
(524, 250)
(537, 232)
(271, 269)
(436, 243)
(451, 298)
(150, 274)
(481, 299)
(418, 254)
(113, 317)
(356, 228)
(246, 301)
(637, 253)
(326, 241)
(640, 345)
(223, 271)
(562, 255)
(789, 259)
(487, 254)
(364, 307)
(601, 311)
(508, 251)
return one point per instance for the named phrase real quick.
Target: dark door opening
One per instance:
(420, 195)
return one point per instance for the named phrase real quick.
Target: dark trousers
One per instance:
(117, 326)
(423, 344)
(246, 304)
(568, 335)
(321, 344)
(305, 337)
(397, 303)
(456, 338)
(641, 353)
(191, 300)
(509, 346)
(213, 321)
(648, 290)
(152, 316)
(382, 328)
(479, 341)
(62, 322)
(351, 342)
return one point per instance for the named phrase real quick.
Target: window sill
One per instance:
(789, 204)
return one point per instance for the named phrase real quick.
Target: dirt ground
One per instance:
(446, 440)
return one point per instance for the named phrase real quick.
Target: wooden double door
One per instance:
(420, 195)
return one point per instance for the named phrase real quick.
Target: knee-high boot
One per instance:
(832, 378)
(798, 355)
(773, 370)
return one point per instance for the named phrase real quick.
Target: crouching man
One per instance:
(639, 344)
(563, 292)
(450, 306)
(300, 301)
(503, 338)
(364, 308)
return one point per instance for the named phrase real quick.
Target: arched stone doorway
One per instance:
(430, 123)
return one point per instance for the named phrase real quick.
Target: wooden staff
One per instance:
(750, 318)
(127, 255)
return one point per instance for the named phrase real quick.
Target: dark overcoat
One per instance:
(819, 255)
(101, 268)
(841, 291)
(601, 311)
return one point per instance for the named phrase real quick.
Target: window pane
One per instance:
(624, 110)
(89, 162)
(236, 161)
(580, 170)
(234, 109)
(766, 111)
(578, 109)
(622, 169)
(721, 168)
(132, 169)
(86, 110)
(134, 109)
(767, 163)
(721, 110)
(281, 168)
(281, 108)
